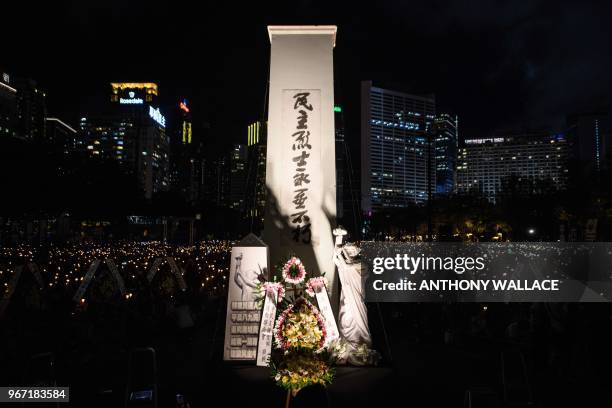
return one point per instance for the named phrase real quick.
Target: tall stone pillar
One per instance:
(301, 160)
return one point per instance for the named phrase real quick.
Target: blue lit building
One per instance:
(340, 160)
(446, 128)
(395, 127)
(589, 135)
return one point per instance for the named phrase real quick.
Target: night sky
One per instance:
(497, 64)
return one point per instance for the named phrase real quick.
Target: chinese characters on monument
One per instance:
(301, 150)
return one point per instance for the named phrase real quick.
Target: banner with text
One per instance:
(488, 272)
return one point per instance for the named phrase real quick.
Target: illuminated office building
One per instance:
(187, 158)
(147, 146)
(8, 107)
(348, 203)
(153, 153)
(133, 132)
(341, 150)
(396, 148)
(238, 177)
(591, 138)
(107, 138)
(216, 182)
(256, 173)
(186, 123)
(445, 130)
(486, 164)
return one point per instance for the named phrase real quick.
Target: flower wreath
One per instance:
(301, 327)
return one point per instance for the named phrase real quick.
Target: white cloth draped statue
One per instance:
(353, 314)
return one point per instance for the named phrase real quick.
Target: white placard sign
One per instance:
(326, 310)
(243, 313)
(266, 329)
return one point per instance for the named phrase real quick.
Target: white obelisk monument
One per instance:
(301, 160)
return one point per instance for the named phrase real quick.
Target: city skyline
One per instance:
(494, 68)
(398, 144)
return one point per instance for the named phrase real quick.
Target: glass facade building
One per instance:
(238, 177)
(485, 164)
(446, 130)
(396, 148)
(256, 173)
(589, 135)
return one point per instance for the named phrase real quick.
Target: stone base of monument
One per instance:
(352, 387)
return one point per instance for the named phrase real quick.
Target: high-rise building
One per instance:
(187, 158)
(340, 160)
(108, 138)
(348, 205)
(148, 152)
(31, 110)
(485, 164)
(8, 106)
(256, 174)
(186, 123)
(216, 182)
(238, 177)
(60, 135)
(396, 148)
(591, 138)
(447, 144)
(134, 133)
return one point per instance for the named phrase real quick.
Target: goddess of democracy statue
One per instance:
(353, 314)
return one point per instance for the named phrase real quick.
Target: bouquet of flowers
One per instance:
(301, 370)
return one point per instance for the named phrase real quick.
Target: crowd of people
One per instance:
(95, 330)
(204, 266)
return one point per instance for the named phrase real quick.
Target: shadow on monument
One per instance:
(278, 225)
